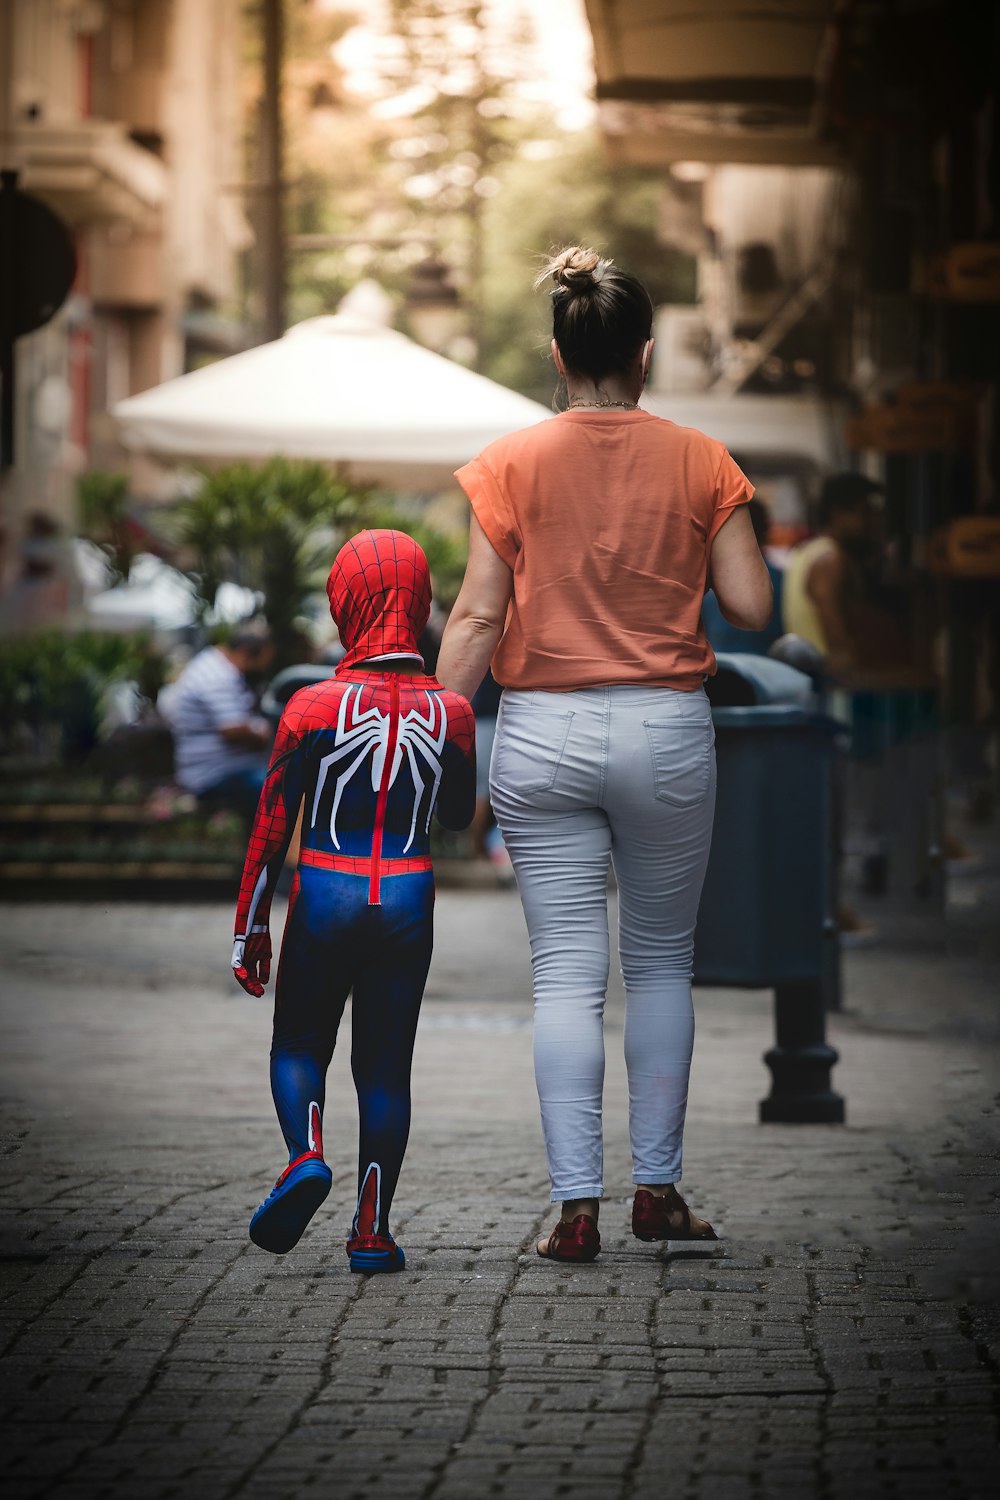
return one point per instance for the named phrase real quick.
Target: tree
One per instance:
(450, 154)
(382, 183)
(564, 192)
(452, 73)
(276, 529)
(273, 529)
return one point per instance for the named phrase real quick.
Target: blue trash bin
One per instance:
(287, 682)
(768, 914)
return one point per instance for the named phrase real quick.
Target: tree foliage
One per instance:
(276, 529)
(565, 194)
(52, 683)
(452, 154)
(102, 506)
(389, 185)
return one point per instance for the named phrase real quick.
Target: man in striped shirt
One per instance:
(221, 744)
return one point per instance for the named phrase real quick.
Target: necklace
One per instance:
(628, 405)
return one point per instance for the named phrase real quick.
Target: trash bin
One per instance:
(288, 681)
(768, 914)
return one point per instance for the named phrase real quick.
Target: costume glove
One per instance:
(252, 960)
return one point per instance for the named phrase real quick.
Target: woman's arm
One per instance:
(739, 574)
(476, 623)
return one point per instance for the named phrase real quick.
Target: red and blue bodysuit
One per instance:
(369, 756)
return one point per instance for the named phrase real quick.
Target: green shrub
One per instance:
(102, 505)
(275, 528)
(52, 683)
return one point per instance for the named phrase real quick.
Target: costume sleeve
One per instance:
(732, 488)
(456, 801)
(492, 507)
(273, 825)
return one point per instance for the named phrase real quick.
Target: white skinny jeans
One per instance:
(625, 774)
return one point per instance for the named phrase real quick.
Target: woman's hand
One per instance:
(252, 960)
(478, 618)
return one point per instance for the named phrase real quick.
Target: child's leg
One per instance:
(313, 982)
(388, 990)
(314, 977)
(307, 1010)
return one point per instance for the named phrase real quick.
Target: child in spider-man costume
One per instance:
(369, 755)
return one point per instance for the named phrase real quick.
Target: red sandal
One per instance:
(666, 1217)
(578, 1241)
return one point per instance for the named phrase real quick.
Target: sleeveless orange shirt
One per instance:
(606, 517)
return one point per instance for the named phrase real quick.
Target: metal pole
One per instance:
(8, 190)
(273, 194)
(6, 81)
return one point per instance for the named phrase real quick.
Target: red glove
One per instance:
(252, 960)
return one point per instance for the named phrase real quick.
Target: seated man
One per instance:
(221, 744)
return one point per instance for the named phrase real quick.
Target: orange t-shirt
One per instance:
(606, 518)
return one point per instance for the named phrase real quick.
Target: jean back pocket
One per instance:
(681, 753)
(529, 748)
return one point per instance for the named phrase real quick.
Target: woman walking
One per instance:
(593, 539)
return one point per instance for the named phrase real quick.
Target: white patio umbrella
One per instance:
(340, 388)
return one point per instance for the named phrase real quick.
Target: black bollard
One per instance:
(801, 1059)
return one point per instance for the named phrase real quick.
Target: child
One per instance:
(369, 754)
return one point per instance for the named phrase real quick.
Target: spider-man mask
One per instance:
(380, 595)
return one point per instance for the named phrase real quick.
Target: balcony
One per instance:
(723, 81)
(89, 172)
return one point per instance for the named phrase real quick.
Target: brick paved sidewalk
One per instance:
(840, 1340)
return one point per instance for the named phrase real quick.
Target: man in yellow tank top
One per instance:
(822, 573)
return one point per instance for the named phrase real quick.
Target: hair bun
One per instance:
(574, 269)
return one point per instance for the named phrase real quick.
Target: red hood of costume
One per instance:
(380, 595)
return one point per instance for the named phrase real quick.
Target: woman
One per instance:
(593, 539)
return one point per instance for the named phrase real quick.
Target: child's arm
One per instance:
(273, 825)
(456, 800)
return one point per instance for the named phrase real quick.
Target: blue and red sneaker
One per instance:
(369, 1251)
(280, 1220)
(372, 1253)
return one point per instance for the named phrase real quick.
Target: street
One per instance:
(840, 1340)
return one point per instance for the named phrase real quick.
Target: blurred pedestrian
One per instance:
(45, 589)
(221, 741)
(824, 580)
(590, 543)
(368, 755)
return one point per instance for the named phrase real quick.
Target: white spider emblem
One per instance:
(361, 730)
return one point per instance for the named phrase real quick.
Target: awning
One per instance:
(723, 80)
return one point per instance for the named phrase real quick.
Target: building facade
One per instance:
(124, 117)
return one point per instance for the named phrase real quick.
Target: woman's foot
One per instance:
(660, 1213)
(575, 1237)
